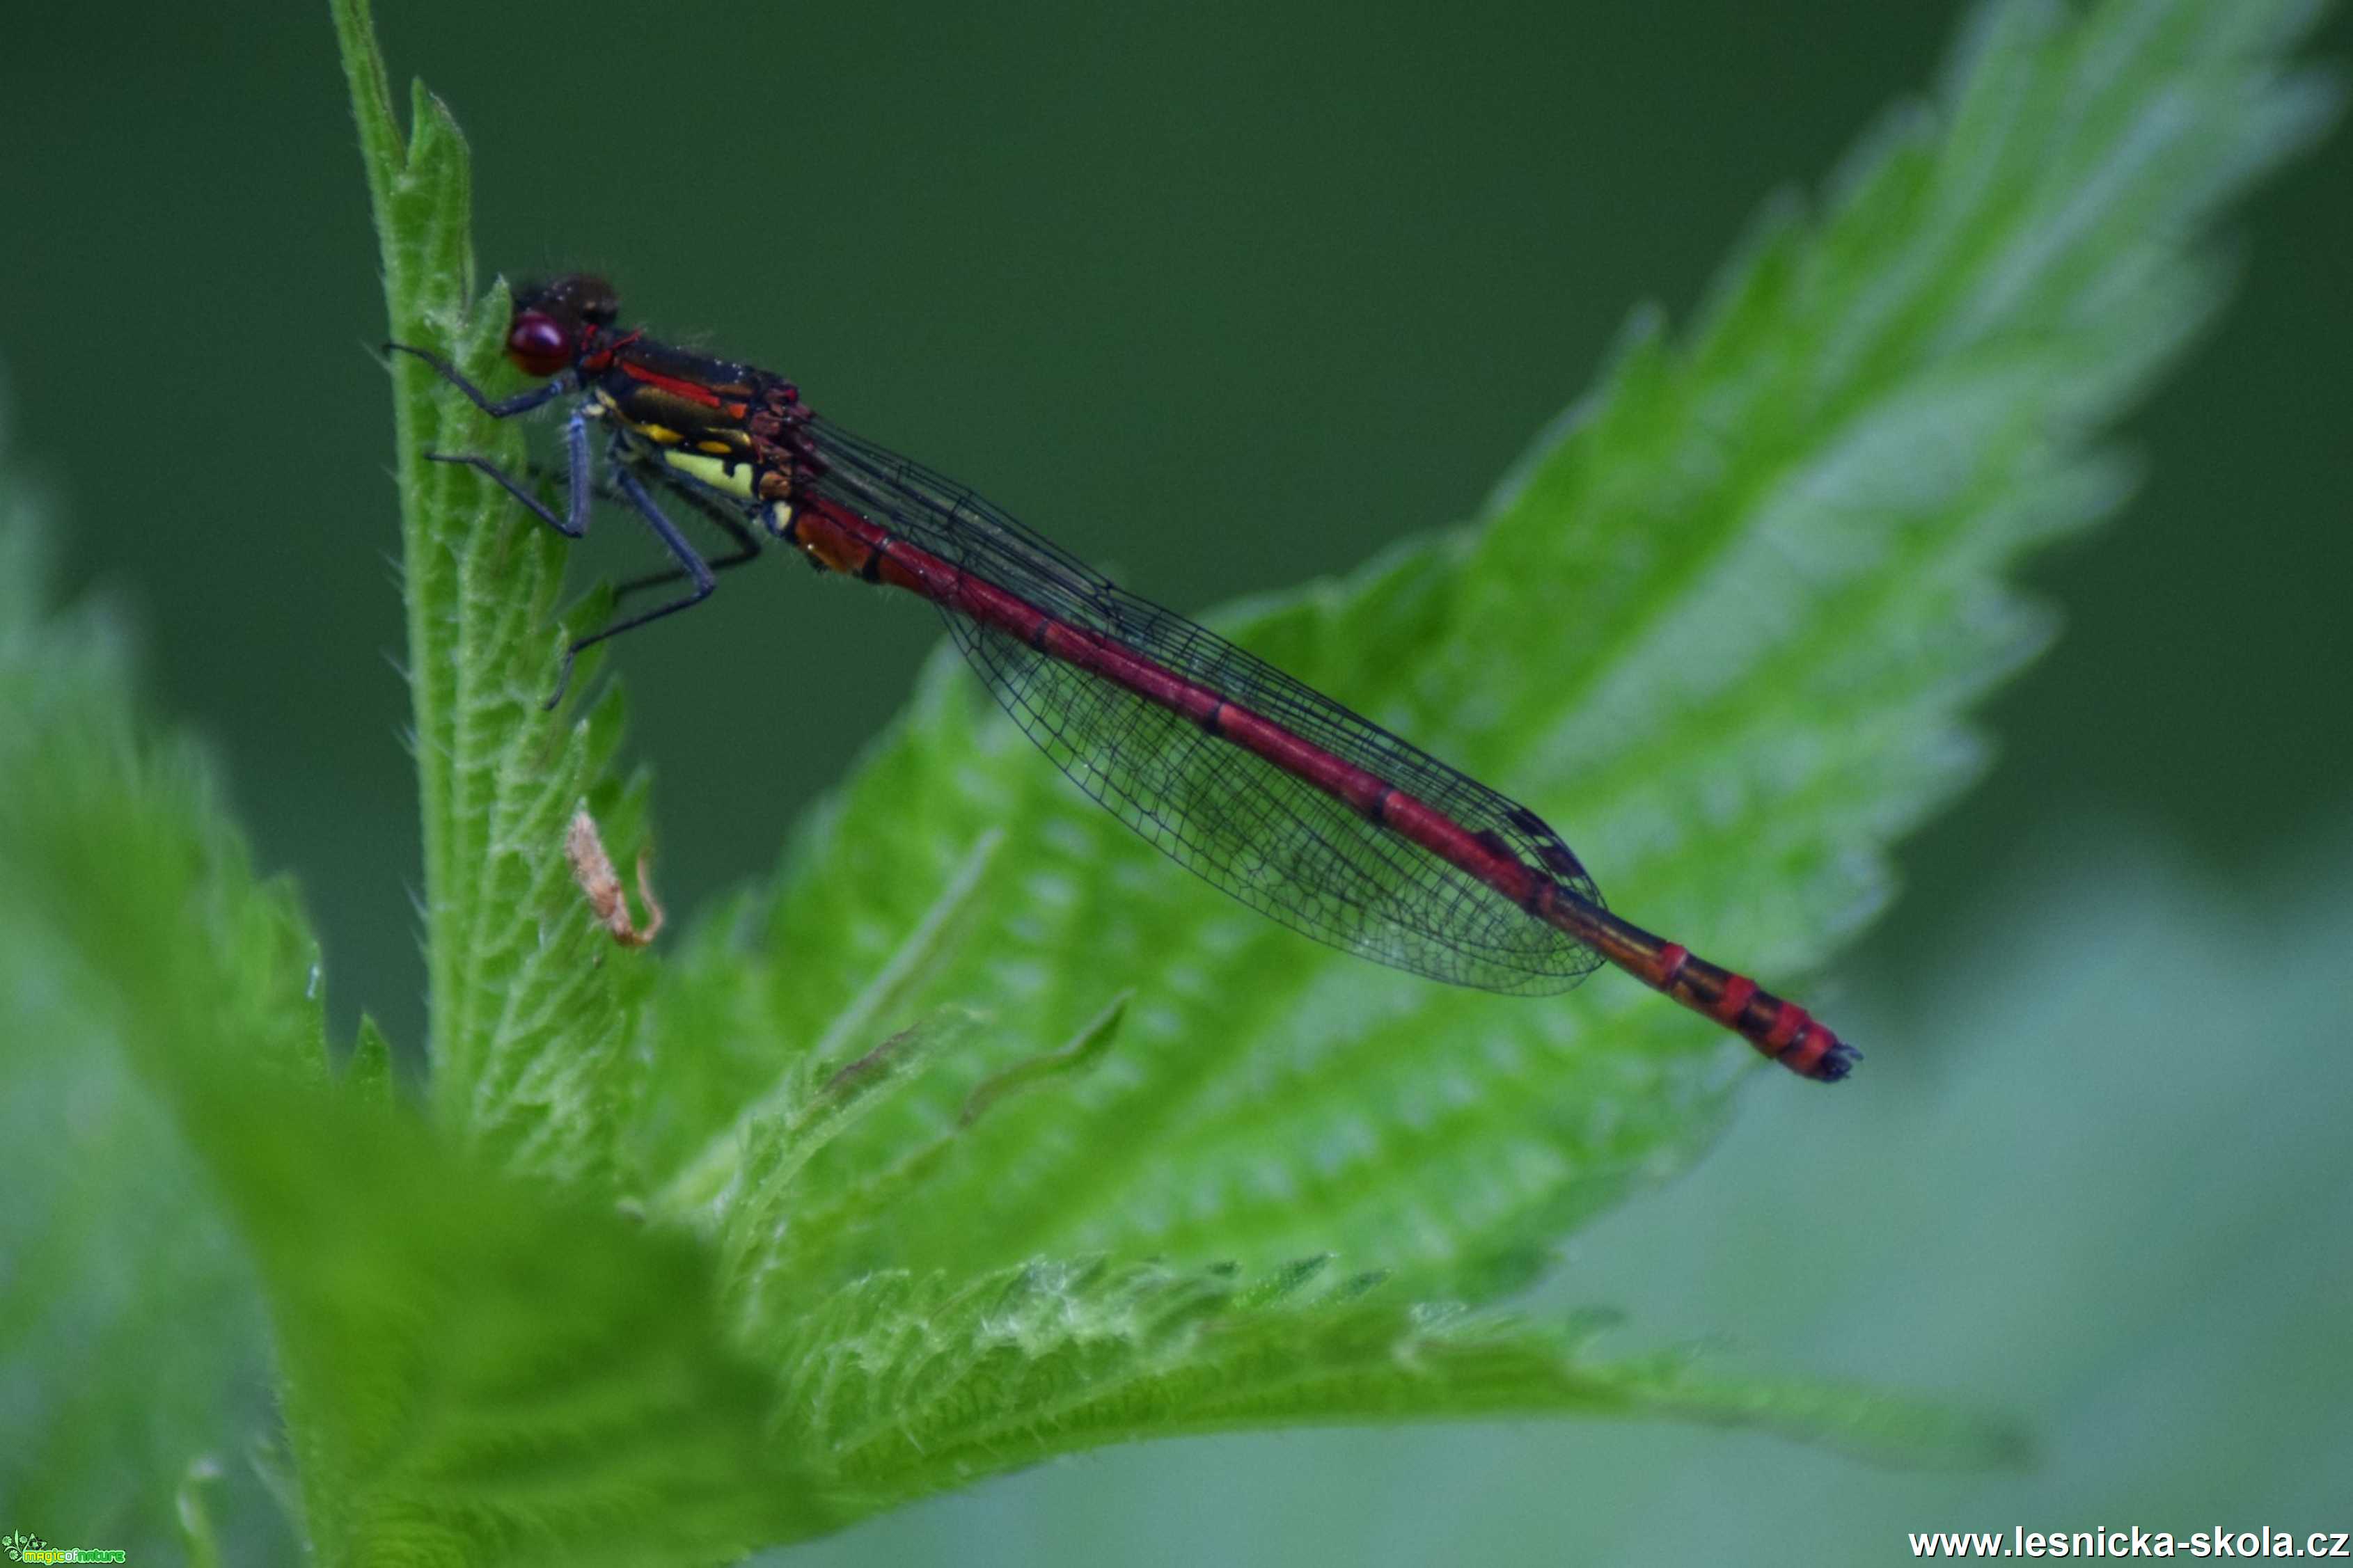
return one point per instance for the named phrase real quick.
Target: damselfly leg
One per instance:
(580, 484)
(721, 515)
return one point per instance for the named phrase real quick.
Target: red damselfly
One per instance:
(1267, 789)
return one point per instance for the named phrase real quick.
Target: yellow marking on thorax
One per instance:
(661, 434)
(719, 474)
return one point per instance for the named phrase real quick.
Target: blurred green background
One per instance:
(1224, 297)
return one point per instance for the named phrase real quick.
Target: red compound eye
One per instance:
(538, 343)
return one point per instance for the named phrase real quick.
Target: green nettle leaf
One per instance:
(917, 1385)
(471, 1368)
(107, 1257)
(527, 1025)
(1730, 612)
(985, 1134)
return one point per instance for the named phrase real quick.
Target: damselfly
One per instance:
(1267, 789)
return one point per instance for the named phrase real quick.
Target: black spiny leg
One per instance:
(520, 402)
(692, 566)
(721, 515)
(573, 524)
(578, 479)
(581, 486)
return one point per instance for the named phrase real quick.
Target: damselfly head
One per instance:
(556, 322)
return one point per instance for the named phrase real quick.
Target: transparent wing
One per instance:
(1277, 844)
